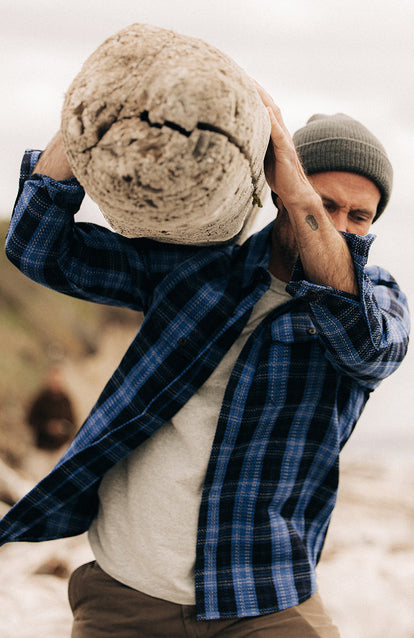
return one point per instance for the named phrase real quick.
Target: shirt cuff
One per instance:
(67, 194)
(359, 248)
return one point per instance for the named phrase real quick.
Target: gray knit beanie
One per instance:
(340, 143)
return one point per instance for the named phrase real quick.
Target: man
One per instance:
(215, 444)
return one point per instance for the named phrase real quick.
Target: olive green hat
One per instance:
(340, 143)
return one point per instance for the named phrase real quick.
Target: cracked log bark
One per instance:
(167, 135)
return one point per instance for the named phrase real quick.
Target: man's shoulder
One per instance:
(380, 276)
(388, 294)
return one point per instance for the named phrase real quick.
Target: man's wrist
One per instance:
(309, 204)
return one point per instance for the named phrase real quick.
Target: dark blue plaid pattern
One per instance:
(292, 400)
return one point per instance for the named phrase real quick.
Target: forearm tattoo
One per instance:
(311, 221)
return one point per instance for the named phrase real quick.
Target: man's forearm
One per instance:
(53, 161)
(324, 252)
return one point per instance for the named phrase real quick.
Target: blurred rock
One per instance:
(54, 566)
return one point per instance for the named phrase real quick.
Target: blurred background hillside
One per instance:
(40, 328)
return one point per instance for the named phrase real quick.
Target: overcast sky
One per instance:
(327, 56)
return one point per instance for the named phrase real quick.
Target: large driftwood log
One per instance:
(167, 135)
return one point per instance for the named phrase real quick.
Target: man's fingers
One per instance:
(272, 108)
(266, 98)
(280, 137)
(276, 129)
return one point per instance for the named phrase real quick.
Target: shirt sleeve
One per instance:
(83, 260)
(365, 337)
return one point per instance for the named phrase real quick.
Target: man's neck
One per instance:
(277, 267)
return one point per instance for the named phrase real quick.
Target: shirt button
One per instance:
(311, 331)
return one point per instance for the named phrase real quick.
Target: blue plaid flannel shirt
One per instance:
(292, 400)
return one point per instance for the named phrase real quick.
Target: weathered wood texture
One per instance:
(167, 135)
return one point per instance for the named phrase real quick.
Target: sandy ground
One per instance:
(366, 576)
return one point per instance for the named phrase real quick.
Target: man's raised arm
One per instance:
(323, 250)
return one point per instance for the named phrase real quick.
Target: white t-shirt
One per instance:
(146, 529)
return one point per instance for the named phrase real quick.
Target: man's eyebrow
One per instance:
(365, 211)
(328, 199)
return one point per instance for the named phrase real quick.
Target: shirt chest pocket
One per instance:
(295, 352)
(295, 328)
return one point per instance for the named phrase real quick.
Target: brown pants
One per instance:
(102, 608)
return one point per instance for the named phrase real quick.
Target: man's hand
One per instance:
(53, 161)
(283, 170)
